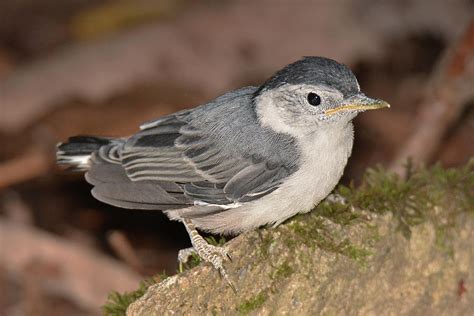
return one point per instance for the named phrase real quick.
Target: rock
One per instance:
(397, 247)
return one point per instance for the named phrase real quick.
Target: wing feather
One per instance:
(207, 156)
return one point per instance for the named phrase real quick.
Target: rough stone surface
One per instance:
(344, 259)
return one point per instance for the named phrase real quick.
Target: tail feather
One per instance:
(100, 159)
(77, 151)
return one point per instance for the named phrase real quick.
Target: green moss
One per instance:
(372, 236)
(117, 303)
(282, 271)
(265, 242)
(313, 232)
(211, 240)
(443, 239)
(356, 253)
(412, 201)
(316, 234)
(336, 212)
(252, 304)
(214, 311)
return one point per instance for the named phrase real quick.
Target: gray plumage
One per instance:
(315, 71)
(253, 156)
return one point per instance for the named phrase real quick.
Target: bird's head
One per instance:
(311, 93)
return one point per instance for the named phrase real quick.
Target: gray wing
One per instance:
(217, 153)
(113, 186)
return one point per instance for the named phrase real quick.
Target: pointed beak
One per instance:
(359, 102)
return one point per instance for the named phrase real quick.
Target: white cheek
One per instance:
(295, 124)
(270, 115)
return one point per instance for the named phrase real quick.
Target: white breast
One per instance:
(323, 158)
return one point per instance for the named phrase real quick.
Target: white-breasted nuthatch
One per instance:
(253, 156)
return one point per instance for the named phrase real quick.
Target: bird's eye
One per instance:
(314, 99)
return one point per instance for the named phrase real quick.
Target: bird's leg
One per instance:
(209, 253)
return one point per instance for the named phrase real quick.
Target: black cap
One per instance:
(315, 70)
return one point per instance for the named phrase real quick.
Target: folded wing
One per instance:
(216, 154)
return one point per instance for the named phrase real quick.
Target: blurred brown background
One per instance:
(103, 67)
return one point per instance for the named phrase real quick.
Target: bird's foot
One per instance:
(215, 255)
(185, 255)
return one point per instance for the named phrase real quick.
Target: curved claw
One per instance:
(224, 253)
(213, 254)
(226, 277)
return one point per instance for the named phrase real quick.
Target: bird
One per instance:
(251, 157)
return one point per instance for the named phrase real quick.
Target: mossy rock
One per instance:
(400, 246)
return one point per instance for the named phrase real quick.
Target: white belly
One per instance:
(323, 159)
